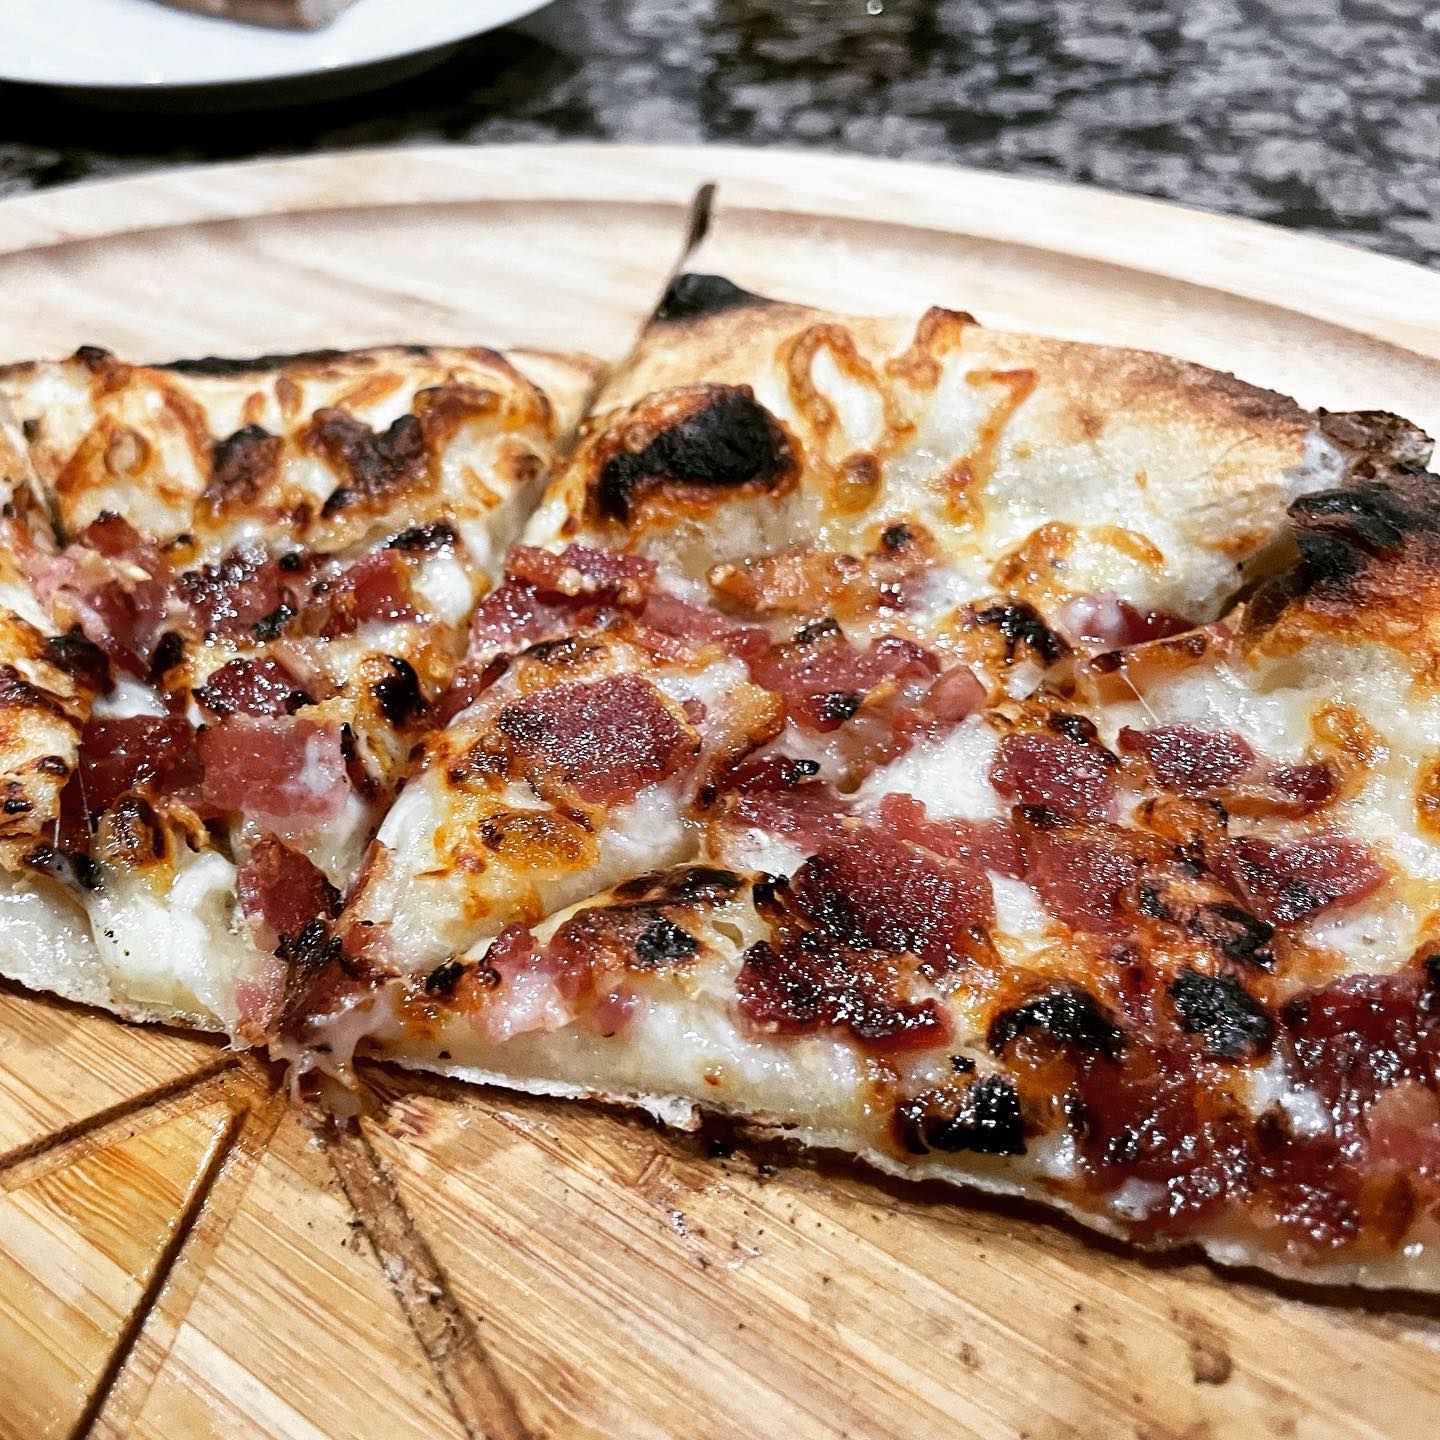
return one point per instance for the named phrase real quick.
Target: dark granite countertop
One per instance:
(1321, 114)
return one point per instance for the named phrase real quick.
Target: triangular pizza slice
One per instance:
(266, 570)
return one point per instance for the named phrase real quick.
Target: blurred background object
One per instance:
(1322, 114)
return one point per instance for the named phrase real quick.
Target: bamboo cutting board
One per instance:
(182, 1255)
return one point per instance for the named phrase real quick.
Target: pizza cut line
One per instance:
(1012, 761)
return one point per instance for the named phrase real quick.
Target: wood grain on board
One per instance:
(182, 1255)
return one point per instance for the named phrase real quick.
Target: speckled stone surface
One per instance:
(1321, 114)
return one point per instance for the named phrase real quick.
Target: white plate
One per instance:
(141, 44)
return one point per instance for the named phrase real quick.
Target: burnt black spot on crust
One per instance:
(1220, 1009)
(662, 943)
(1339, 532)
(729, 442)
(168, 654)
(242, 464)
(1021, 625)
(985, 1119)
(223, 365)
(371, 462)
(687, 297)
(399, 695)
(434, 536)
(79, 658)
(1231, 931)
(683, 885)
(269, 627)
(17, 691)
(1378, 435)
(1067, 1014)
(443, 979)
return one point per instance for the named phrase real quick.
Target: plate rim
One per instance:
(500, 13)
(1371, 294)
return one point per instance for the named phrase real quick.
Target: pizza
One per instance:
(1011, 761)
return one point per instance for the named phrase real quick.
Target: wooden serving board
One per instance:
(182, 1256)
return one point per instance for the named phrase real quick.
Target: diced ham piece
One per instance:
(605, 739)
(824, 680)
(287, 769)
(1187, 759)
(155, 752)
(1052, 771)
(1287, 881)
(1108, 622)
(282, 891)
(264, 686)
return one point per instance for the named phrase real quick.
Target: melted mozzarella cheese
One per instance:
(128, 699)
(951, 775)
(445, 587)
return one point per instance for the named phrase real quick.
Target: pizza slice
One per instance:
(271, 567)
(947, 882)
(1161, 953)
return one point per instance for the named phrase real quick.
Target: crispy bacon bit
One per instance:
(1055, 772)
(1191, 761)
(868, 891)
(1187, 759)
(809, 985)
(984, 1118)
(242, 591)
(1287, 882)
(809, 815)
(374, 590)
(824, 680)
(987, 843)
(1153, 1118)
(580, 571)
(289, 769)
(1111, 623)
(117, 585)
(525, 987)
(933, 713)
(513, 616)
(671, 626)
(606, 739)
(154, 752)
(1082, 873)
(264, 686)
(282, 891)
(1307, 787)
